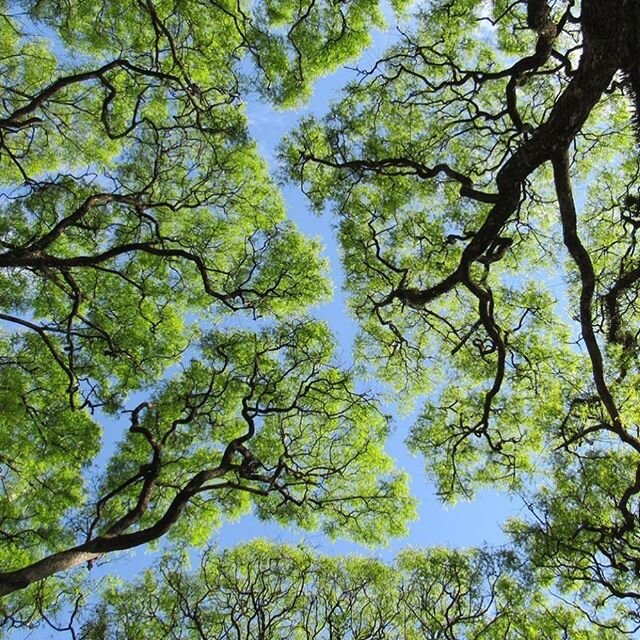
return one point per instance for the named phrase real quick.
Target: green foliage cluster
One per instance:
(486, 281)
(484, 176)
(149, 279)
(268, 592)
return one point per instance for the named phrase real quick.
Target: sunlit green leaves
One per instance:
(318, 444)
(529, 377)
(259, 590)
(146, 263)
(45, 446)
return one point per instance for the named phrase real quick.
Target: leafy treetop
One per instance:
(268, 592)
(484, 173)
(148, 274)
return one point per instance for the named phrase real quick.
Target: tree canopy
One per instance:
(149, 275)
(484, 173)
(259, 591)
(484, 176)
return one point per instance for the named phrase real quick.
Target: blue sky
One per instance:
(465, 524)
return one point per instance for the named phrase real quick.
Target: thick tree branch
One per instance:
(587, 278)
(567, 117)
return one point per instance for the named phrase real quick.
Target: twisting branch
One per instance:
(587, 278)
(406, 166)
